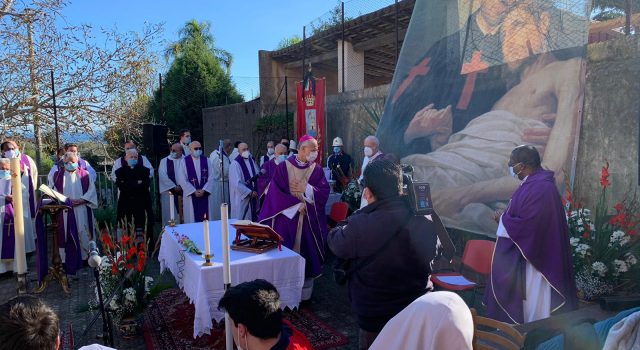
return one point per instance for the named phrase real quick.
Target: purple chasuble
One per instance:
(536, 224)
(200, 204)
(8, 233)
(314, 232)
(253, 203)
(264, 180)
(24, 163)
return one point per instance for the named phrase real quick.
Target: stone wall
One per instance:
(610, 121)
(235, 122)
(348, 118)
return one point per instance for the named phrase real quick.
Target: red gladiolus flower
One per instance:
(141, 246)
(129, 266)
(114, 269)
(131, 252)
(618, 207)
(604, 177)
(585, 235)
(106, 239)
(126, 239)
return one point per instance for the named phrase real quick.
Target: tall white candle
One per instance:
(226, 265)
(18, 216)
(207, 246)
(171, 206)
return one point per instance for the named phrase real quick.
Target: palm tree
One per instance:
(607, 8)
(198, 31)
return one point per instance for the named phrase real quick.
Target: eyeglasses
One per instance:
(196, 148)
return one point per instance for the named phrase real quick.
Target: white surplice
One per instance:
(165, 185)
(92, 173)
(30, 224)
(117, 164)
(189, 190)
(218, 198)
(240, 192)
(5, 190)
(72, 189)
(537, 304)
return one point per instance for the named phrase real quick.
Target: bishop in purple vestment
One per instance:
(532, 269)
(295, 202)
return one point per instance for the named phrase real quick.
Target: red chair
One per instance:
(339, 211)
(477, 258)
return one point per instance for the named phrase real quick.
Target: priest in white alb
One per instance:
(196, 181)
(243, 177)
(221, 166)
(169, 188)
(77, 225)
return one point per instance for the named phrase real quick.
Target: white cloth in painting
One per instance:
(625, 334)
(189, 190)
(479, 152)
(218, 196)
(436, 320)
(72, 189)
(5, 190)
(165, 184)
(538, 291)
(92, 173)
(365, 162)
(240, 192)
(117, 164)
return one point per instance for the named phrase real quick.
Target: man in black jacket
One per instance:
(134, 203)
(397, 246)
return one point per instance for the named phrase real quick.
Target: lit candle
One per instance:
(18, 216)
(226, 266)
(207, 247)
(171, 206)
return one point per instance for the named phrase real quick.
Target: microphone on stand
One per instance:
(94, 262)
(94, 255)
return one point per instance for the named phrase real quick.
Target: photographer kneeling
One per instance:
(388, 249)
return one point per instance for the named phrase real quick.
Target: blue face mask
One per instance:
(187, 140)
(5, 174)
(71, 166)
(336, 149)
(173, 155)
(197, 153)
(282, 158)
(132, 162)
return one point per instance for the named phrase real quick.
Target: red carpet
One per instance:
(168, 325)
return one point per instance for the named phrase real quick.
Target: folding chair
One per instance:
(489, 334)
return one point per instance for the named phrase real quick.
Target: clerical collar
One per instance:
(300, 163)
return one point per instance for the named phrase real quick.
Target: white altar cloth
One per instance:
(205, 286)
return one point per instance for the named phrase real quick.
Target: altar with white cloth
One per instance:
(204, 284)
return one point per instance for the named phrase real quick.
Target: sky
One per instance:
(241, 27)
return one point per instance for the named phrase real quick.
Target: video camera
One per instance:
(418, 194)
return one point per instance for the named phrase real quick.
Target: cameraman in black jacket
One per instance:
(397, 245)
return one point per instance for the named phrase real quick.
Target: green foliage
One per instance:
(286, 42)
(106, 216)
(608, 9)
(275, 124)
(196, 79)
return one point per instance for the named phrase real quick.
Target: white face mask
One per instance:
(246, 154)
(312, 156)
(11, 154)
(368, 151)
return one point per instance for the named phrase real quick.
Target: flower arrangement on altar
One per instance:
(352, 195)
(187, 243)
(123, 261)
(605, 247)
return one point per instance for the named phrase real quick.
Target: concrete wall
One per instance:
(235, 122)
(347, 117)
(610, 121)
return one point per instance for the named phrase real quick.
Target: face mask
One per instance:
(5, 174)
(11, 154)
(246, 342)
(246, 154)
(173, 155)
(197, 153)
(187, 140)
(512, 172)
(368, 151)
(312, 156)
(71, 166)
(336, 149)
(271, 151)
(281, 158)
(132, 162)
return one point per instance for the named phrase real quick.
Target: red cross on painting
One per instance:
(471, 70)
(421, 68)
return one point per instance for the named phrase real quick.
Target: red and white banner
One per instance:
(310, 111)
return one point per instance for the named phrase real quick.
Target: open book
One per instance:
(248, 223)
(46, 190)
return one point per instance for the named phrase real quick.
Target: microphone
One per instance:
(256, 176)
(94, 256)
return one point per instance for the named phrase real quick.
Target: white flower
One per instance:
(580, 229)
(582, 249)
(579, 222)
(624, 240)
(129, 295)
(600, 268)
(619, 237)
(574, 241)
(148, 281)
(621, 266)
(114, 304)
(592, 227)
(631, 259)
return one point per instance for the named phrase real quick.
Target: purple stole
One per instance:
(245, 173)
(265, 159)
(8, 233)
(171, 173)
(24, 163)
(200, 204)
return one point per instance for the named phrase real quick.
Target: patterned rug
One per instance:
(168, 325)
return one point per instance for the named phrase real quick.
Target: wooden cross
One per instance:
(471, 70)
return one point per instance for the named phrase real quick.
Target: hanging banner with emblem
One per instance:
(310, 110)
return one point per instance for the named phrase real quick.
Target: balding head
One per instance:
(373, 143)
(281, 150)
(177, 149)
(196, 149)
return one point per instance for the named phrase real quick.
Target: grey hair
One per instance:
(5, 161)
(68, 155)
(374, 139)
